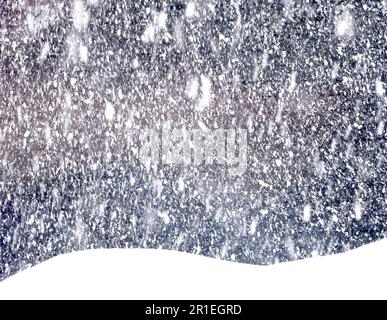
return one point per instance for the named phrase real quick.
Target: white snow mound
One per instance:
(158, 274)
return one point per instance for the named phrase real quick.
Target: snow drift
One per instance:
(158, 274)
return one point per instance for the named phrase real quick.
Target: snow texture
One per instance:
(81, 79)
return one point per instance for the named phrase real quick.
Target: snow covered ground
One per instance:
(157, 274)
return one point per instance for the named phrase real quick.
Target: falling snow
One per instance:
(307, 213)
(109, 111)
(82, 79)
(345, 25)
